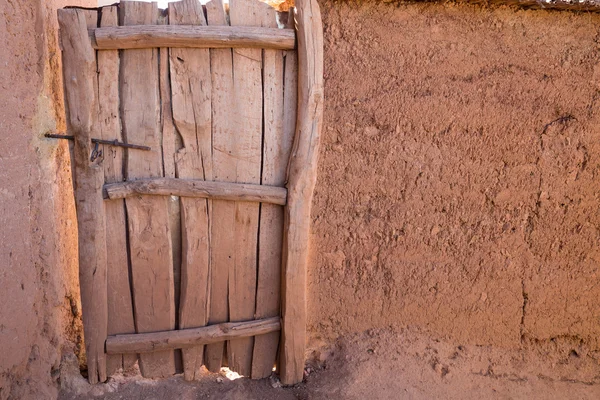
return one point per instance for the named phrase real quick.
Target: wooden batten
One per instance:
(189, 338)
(79, 71)
(191, 36)
(302, 176)
(197, 188)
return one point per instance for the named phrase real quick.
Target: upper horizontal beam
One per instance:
(191, 36)
(197, 188)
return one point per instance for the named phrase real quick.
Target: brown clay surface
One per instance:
(458, 183)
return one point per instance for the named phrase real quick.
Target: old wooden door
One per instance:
(188, 237)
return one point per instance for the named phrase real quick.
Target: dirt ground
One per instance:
(388, 364)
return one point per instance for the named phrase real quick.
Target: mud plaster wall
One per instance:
(447, 200)
(38, 271)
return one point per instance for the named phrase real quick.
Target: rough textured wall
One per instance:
(458, 188)
(38, 270)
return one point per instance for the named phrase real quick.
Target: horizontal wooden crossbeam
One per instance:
(149, 36)
(184, 338)
(197, 188)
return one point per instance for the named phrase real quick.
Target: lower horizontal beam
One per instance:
(197, 188)
(168, 340)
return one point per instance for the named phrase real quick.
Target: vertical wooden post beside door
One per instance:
(302, 176)
(79, 73)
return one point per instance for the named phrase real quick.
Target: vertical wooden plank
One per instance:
(171, 142)
(148, 216)
(191, 97)
(222, 239)
(120, 307)
(91, 18)
(276, 147)
(290, 94)
(79, 71)
(302, 176)
(290, 108)
(246, 119)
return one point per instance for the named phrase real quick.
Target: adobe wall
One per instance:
(39, 301)
(457, 189)
(458, 180)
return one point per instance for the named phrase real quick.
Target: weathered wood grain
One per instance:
(120, 306)
(91, 18)
(192, 36)
(189, 338)
(302, 175)
(222, 240)
(246, 118)
(191, 97)
(171, 141)
(290, 106)
(276, 147)
(148, 217)
(197, 188)
(79, 71)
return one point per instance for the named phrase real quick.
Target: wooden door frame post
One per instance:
(302, 177)
(79, 72)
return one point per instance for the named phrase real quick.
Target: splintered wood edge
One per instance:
(191, 36)
(197, 188)
(185, 338)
